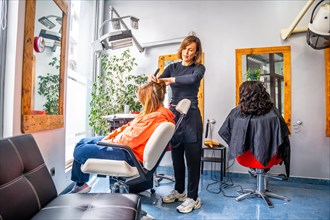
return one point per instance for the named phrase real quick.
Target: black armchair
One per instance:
(27, 190)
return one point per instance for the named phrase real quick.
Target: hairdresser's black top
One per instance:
(187, 81)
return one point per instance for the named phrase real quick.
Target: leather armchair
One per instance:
(27, 190)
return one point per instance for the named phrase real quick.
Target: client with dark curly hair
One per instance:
(256, 125)
(254, 99)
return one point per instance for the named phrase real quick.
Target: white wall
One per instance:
(51, 142)
(224, 26)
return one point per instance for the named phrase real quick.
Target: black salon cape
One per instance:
(264, 135)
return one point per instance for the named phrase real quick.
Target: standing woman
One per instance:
(184, 79)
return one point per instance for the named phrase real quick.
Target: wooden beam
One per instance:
(286, 33)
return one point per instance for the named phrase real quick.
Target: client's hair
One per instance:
(151, 96)
(254, 99)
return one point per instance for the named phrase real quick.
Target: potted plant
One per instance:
(49, 87)
(115, 88)
(253, 74)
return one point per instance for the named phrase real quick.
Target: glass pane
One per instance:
(80, 73)
(270, 66)
(46, 57)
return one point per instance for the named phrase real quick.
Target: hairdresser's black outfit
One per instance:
(188, 138)
(264, 135)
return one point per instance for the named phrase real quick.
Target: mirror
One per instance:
(273, 65)
(44, 65)
(163, 62)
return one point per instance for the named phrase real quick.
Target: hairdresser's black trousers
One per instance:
(193, 152)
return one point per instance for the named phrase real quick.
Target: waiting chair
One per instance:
(137, 178)
(248, 160)
(27, 191)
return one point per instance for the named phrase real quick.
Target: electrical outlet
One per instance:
(52, 171)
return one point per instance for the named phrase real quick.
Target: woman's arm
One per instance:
(165, 76)
(114, 133)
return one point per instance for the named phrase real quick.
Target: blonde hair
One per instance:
(187, 41)
(151, 96)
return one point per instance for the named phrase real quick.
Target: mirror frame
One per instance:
(29, 122)
(327, 91)
(286, 50)
(170, 57)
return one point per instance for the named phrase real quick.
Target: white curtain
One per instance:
(3, 33)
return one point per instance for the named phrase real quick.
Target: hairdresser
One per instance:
(184, 78)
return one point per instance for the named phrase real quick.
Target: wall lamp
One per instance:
(116, 22)
(118, 38)
(125, 38)
(54, 37)
(48, 23)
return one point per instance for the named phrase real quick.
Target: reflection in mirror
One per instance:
(163, 62)
(44, 65)
(48, 27)
(271, 66)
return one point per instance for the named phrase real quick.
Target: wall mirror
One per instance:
(163, 62)
(274, 64)
(44, 65)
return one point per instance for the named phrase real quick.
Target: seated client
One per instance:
(256, 125)
(135, 135)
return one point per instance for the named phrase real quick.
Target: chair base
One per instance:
(159, 177)
(118, 185)
(261, 190)
(264, 195)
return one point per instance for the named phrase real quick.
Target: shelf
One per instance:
(212, 159)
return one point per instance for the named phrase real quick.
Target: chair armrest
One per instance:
(137, 164)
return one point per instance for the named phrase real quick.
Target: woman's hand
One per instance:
(152, 78)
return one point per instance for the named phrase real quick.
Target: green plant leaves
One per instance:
(253, 74)
(49, 87)
(115, 88)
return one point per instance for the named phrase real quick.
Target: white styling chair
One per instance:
(137, 178)
(182, 107)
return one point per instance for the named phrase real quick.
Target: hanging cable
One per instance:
(224, 185)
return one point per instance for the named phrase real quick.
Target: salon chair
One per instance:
(182, 107)
(140, 177)
(158, 177)
(248, 160)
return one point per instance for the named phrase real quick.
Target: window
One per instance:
(80, 73)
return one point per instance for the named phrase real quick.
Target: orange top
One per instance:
(136, 133)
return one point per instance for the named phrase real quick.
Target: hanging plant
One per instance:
(49, 87)
(115, 88)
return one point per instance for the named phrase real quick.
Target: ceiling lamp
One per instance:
(318, 33)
